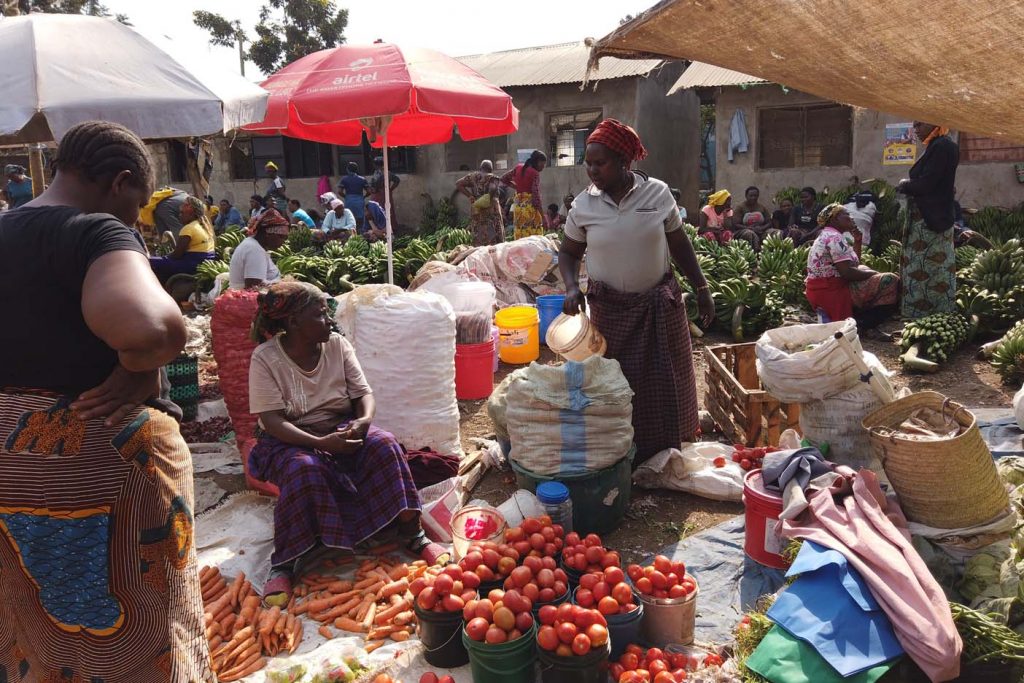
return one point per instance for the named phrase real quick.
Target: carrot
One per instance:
(300, 608)
(339, 586)
(365, 583)
(250, 648)
(204, 574)
(325, 631)
(399, 636)
(319, 605)
(370, 647)
(251, 665)
(394, 588)
(383, 631)
(370, 615)
(215, 642)
(279, 625)
(394, 610)
(399, 572)
(233, 590)
(350, 625)
(269, 617)
(405, 618)
(296, 636)
(228, 622)
(212, 588)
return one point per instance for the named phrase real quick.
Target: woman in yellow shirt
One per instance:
(195, 243)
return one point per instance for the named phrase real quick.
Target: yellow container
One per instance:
(519, 334)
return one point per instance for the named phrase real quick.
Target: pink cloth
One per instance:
(871, 532)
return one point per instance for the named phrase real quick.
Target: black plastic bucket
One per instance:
(589, 668)
(440, 633)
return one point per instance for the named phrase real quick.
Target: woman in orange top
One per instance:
(527, 209)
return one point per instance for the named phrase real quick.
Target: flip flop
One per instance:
(428, 551)
(278, 590)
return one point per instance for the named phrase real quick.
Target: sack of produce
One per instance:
(836, 420)
(497, 405)
(405, 342)
(571, 418)
(230, 326)
(803, 363)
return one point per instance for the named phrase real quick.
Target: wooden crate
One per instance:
(744, 411)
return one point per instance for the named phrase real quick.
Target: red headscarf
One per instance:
(270, 220)
(619, 138)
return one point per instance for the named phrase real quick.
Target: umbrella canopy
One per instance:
(64, 69)
(947, 62)
(323, 97)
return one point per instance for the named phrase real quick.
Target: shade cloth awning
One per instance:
(949, 62)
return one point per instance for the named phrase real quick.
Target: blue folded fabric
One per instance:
(831, 608)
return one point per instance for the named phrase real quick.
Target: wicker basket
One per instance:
(945, 483)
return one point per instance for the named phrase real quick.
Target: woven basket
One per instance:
(947, 483)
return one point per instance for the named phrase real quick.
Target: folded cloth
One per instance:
(430, 467)
(790, 473)
(871, 533)
(781, 658)
(830, 608)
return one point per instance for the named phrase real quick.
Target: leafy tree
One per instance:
(93, 8)
(286, 30)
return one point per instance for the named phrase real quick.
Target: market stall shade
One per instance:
(66, 69)
(943, 62)
(400, 96)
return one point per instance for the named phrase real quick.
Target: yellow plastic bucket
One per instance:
(519, 334)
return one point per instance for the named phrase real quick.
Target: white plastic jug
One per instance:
(574, 337)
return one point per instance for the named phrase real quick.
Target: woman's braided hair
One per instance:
(199, 210)
(99, 150)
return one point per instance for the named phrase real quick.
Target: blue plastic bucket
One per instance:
(549, 307)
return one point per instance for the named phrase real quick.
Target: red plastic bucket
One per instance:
(474, 371)
(763, 541)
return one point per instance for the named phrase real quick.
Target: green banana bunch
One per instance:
(207, 272)
(227, 241)
(936, 336)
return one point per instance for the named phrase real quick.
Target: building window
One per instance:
(400, 159)
(266, 149)
(305, 159)
(977, 148)
(177, 161)
(568, 135)
(242, 167)
(810, 135)
(462, 156)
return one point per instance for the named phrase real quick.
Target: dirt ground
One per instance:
(657, 518)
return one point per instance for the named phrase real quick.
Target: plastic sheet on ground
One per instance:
(1002, 436)
(692, 470)
(219, 457)
(238, 536)
(730, 582)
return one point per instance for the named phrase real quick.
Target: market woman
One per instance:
(96, 527)
(928, 268)
(715, 220)
(527, 207)
(751, 219)
(482, 189)
(195, 243)
(628, 226)
(19, 186)
(353, 190)
(837, 285)
(342, 480)
(251, 266)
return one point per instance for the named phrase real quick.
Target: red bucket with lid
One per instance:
(474, 370)
(763, 541)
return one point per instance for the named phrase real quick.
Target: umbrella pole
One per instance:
(387, 209)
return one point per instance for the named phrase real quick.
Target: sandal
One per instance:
(278, 590)
(428, 551)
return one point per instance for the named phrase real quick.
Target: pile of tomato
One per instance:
(662, 579)
(571, 630)
(748, 458)
(501, 617)
(587, 554)
(637, 665)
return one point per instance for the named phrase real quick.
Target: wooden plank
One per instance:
(746, 368)
(467, 463)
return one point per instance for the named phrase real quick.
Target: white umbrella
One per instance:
(64, 69)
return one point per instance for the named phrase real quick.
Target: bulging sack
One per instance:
(837, 421)
(571, 418)
(802, 363)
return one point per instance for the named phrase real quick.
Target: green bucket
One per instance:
(504, 663)
(590, 668)
(599, 498)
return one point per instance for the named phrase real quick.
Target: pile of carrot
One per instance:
(377, 603)
(239, 631)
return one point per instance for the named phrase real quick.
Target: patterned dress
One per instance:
(836, 297)
(928, 269)
(484, 221)
(527, 208)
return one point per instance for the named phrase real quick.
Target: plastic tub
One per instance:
(440, 633)
(574, 337)
(474, 371)
(472, 525)
(470, 297)
(510, 662)
(590, 668)
(518, 329)
(762, 540)
(549, 307)
(600, 498)
(668, 621)
(623, 629)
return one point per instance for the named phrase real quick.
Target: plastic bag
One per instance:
(1018, 407)
(439, 503)
(836, 420)
(692, 470)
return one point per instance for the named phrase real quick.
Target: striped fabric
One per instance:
(97, 557)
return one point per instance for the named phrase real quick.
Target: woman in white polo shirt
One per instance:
(251, 266)
(628, 226)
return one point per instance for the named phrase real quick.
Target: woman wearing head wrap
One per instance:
(527, 208)
(716, 218)
(339, 223)
(481, 188)
(276, 193)
(342, 481)
(928, 269)
(19, 186)
(251, 266)
(628, 226)
(194, 245)
(837, 286)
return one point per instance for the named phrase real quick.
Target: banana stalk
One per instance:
(737, 322)
(912, 360)
(694, 330)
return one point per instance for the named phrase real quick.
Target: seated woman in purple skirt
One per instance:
(342, 480)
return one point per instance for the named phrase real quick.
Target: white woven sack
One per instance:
(571, 418)
(794, 375)
(836, 420)
(405, 343)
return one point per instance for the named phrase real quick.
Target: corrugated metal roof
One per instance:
(701, 75)
(551, 64)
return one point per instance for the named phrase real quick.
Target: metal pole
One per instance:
(37, 169)
(387, 207)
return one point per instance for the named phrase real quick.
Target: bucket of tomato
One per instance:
(669, 598)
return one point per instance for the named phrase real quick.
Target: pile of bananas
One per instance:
(998, 225)
(887, 262)
(928, 341)
(227, 241)
(782, 268)
(993, 287)
(746, 308)
(1008, 354)
(207, 272)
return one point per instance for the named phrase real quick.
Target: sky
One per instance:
(455, 28)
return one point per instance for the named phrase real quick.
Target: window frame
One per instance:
(552, 135)
(964, 138)
(803, 109)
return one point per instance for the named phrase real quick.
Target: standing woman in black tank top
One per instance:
(96, 537)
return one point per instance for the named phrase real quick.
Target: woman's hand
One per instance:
(339, 443)
(706, 308)
(121, 393)
(575, 301)
(358, 428)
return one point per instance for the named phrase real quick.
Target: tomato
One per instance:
(429, 677)
(608, 605)
(592, 540)
(635, 649)
(572, 538)
(547, 615)
(679, 569)
(656, 666)
(616, 671)
(630, 661)
(477, 629)
(565, 612)
(581, 644)
(504, 618)
(547, 638)
(677, 591)
(679, 675)
(662, 564)
(677, 659)
(598, 635)
(630, 677)
(524, 621)
(644, 585)
(563, 650)
(427, 598)
(633, 571)
(566, 631)
(622, 593)
(745, 464)
(654, 653)
(453, 603)
(594, 554)
(712, 660)
(693, 662)
(663, 677)
(614, 575)
(658, 580)
(719, 461)
(602, 590)
(584, 598)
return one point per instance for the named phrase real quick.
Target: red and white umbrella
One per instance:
(400, 96)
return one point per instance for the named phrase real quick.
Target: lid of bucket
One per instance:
(552, 493)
